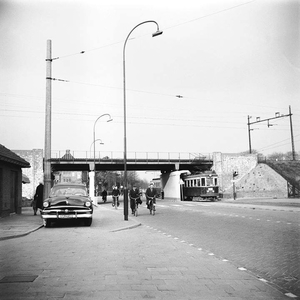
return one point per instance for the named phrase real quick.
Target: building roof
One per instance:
(9, 156)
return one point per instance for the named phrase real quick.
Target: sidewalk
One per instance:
(144, 263)
(18, 225)
(290, 204)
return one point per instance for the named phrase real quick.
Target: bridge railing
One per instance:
(116, 155)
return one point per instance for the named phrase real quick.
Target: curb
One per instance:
(20, 235)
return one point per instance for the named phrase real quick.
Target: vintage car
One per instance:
(67, 202)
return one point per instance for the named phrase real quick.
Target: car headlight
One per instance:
(46, 204)
(88, 203)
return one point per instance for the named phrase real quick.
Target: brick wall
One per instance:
(10, 203)
(254, 180)
(226, 163)
(262, 181)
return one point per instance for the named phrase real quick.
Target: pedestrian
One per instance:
(115, 194)
(150, 193)
(104, 195)
(38, 197)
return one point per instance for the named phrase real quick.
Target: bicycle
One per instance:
(151, 205)
(115, 202)
(136, 205)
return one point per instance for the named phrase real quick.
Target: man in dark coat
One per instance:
(135, 199)
(151, 193)
(104, 195)
(39, 194)
(115, 193)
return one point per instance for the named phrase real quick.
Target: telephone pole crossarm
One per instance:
(277, 116)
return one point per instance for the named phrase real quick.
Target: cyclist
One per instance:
(151, 193)
(115, 194)
(135, 199)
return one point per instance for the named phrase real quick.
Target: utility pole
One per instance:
(292, 135)
(277, 116)
(249, 130)
(47, 149)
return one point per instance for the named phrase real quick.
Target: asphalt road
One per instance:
(265, 241)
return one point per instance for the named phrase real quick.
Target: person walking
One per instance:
(38, 197)
(104, 195)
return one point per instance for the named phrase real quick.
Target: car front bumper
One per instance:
(61, 215)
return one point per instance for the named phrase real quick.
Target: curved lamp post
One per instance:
(101, 143)
(110, 119)
(158, 32)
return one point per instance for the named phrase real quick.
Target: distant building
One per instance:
(11, 166)
(70, 176)
(34, 173)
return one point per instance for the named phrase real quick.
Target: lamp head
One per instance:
(110, 120)
(158, 32)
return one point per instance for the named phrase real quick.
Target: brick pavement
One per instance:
(110, 262)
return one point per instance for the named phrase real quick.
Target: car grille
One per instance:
(66, 210)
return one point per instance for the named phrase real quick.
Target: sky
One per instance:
(189, 90)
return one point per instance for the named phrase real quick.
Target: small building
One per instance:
(11, 181)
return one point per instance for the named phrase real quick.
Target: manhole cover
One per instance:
(18, 278)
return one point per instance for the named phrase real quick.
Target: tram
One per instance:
(200, 186)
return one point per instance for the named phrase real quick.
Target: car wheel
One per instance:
(88, 222)
(46, 223)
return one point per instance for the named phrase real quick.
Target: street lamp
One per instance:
(101, 143)
(158, 32)
(94, 167)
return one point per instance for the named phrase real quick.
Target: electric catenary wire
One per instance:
(167, 28)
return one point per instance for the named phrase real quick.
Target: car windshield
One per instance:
(68, 191)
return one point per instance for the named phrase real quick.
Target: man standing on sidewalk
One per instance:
(38, 197)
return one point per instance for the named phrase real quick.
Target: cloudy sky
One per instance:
(226, 59)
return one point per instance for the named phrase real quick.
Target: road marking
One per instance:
(291, 295)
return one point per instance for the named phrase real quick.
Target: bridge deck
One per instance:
(69, 163)
(136, 161)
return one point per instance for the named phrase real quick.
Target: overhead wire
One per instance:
(166, 28)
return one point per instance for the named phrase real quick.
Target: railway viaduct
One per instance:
(256, 179)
